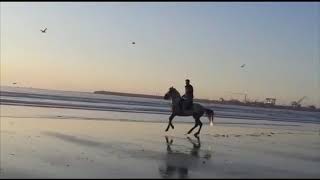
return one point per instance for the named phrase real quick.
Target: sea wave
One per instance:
(91, 101)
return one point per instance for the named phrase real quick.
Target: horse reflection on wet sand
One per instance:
(179, 162)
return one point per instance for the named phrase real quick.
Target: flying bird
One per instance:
(133, 42)
(43, 31)
(243, 65)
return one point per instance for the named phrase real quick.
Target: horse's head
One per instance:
(170, 93)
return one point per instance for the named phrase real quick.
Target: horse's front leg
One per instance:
(170, 122)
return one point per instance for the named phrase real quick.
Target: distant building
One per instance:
(271, 101)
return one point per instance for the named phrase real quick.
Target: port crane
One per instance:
(297, 104)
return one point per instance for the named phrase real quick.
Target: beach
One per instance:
(88, 90)
(58, 147)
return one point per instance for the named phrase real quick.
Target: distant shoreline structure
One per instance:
(230, 102)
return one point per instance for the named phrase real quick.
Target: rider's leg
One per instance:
(188, 104)
(185, 105)
(181, 104)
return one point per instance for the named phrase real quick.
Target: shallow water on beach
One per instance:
(45, 147)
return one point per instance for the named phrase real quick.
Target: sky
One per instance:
(88, 47)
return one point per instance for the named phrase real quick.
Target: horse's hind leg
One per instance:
(200, 124)
(195, 125)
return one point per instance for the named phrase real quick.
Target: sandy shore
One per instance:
(62, 148)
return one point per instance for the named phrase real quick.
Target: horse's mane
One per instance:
(176, 91)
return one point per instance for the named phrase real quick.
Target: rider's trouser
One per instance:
(187, 103)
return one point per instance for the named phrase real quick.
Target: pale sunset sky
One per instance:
(88, 47)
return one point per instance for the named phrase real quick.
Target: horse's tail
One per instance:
(210, 114)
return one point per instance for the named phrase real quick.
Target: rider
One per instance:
(187, 98)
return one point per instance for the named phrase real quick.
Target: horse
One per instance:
(197, 111)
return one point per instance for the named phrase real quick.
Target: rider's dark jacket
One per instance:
(189, 92)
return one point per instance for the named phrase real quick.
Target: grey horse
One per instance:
(196, 111)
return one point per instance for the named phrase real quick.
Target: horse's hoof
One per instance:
(196, 134)
(166, 130)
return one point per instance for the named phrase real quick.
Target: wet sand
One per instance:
(51, 148)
